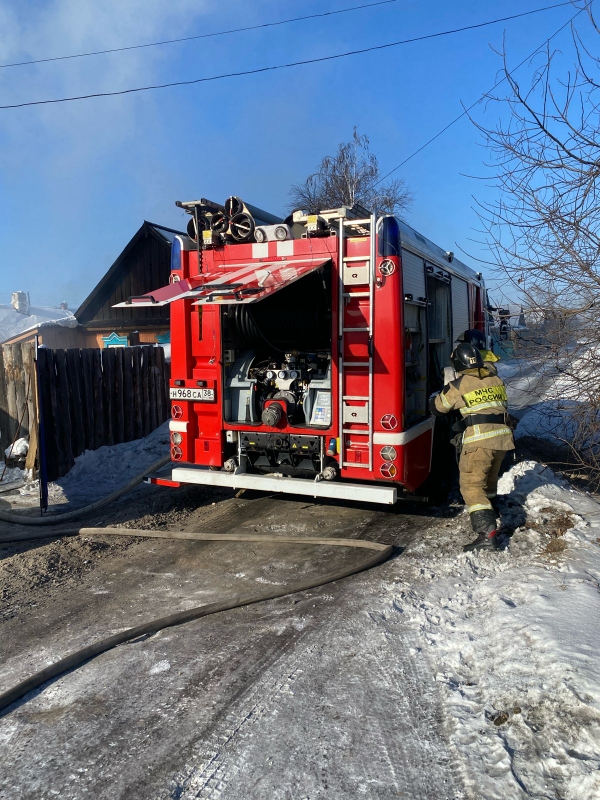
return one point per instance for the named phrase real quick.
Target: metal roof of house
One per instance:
(114, 274)
(168, 233)
(13, 323)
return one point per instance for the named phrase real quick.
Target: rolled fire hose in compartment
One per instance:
(235, 221)
(297, 317)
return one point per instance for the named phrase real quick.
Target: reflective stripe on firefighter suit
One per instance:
(483, 446)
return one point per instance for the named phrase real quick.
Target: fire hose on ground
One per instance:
(378, 553)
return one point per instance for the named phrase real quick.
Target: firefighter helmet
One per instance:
(466, 356)
(474, 337)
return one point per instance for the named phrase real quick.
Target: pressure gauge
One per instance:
(282, 374)
(293, 374)
(270, 375)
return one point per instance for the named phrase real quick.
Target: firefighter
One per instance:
(484, 436)
(478, 339)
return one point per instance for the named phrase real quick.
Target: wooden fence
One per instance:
(16, 396)
(87, 398)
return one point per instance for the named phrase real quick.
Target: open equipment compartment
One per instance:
(277, 373)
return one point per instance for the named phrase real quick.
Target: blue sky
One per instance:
(77, 179)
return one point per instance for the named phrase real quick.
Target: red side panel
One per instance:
(206, 367)
(417, 460)
(388, 365)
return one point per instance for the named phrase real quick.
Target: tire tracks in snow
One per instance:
(211, 776)
(368, 719)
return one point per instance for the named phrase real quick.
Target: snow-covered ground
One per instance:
(520, 667)
(552, 403)
(513, 637)
(11, 475)
(96, 472)
(99, 472)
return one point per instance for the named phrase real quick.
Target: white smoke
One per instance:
(70, 26)
(76, 160)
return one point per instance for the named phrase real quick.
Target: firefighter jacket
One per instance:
(478, 393)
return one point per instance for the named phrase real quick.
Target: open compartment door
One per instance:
(233, 283)
(252, 282)
(160, 297)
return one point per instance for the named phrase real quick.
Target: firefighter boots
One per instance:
(483, 523)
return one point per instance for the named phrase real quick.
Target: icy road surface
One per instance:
(324, 694)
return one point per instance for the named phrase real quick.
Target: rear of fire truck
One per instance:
(289, 356)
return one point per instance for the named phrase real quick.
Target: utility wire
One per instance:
(482, 97)
(282, 66)
(199, 36)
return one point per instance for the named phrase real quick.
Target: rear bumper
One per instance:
(337, 490)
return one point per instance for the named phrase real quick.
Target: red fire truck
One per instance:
(303, 352)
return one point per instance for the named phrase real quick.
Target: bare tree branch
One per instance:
(543, 232)
(349, 179)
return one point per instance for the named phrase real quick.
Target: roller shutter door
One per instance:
(460, 307)
(413, 272)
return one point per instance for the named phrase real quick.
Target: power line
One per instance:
(282, 66)
(483, 96)
(198, 36)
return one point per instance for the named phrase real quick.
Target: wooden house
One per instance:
(143, 265)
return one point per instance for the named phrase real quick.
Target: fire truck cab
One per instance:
(303, 355)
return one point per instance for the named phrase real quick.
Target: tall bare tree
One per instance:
(543, 233)
(351, 177)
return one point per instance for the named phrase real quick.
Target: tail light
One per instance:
(389, 470)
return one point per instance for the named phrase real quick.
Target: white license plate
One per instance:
(199, 395)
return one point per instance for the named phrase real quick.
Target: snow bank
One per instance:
(18, 448)
(11, 475)
(514, 638)
(554, 420)
(99, 472)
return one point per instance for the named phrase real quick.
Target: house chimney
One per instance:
(20, 302)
